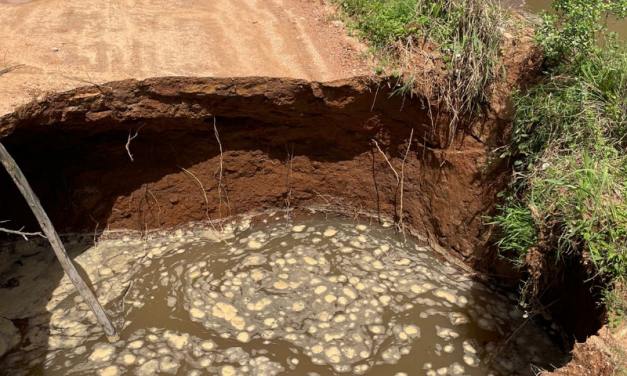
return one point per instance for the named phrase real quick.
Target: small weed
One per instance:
(405, 88)
(520, 232)
(615, 301)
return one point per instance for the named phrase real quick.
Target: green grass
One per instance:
(383, 21)
(568, 194)
(466, 31)
(519, 231)
(570, 134)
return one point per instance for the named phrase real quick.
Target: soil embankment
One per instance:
(285, 143)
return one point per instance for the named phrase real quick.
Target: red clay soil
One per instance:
(329, 129)
(73, 148)
(144, 155)
(66, 43)
(602, 355)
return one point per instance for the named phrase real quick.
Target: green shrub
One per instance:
(572, 32)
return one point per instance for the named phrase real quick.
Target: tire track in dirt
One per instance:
(117, 39)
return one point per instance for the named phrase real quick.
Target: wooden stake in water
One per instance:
(21, 182)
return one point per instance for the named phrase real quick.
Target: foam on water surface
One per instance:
(315, 297)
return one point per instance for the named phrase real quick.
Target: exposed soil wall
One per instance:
(73, 148)
(143, 155)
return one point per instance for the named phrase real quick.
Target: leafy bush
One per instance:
(572, 32)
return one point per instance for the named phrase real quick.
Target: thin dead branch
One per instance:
(23, 234)
(89, 82)
(204, 193)
(158, 206)
(288, 198)
(96, 229)
(203, 190)
(375, 98)
(220, 174)
(11, 69)
(400, 224)
(124, 293)
(388, 161)
(128, 142)
(400, 180)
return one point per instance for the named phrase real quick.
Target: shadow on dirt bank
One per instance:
(29, 274)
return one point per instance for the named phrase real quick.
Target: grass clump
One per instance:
(569, 144)
(383, 21)
(466, 31)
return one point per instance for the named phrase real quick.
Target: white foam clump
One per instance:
(298, 228)
(471, 360)
(102, 353)
(253, 244)
(109, 371)
(446, 333)
(446, 294)
(458, 318)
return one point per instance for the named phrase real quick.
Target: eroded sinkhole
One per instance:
(282, 144)
(312, 297)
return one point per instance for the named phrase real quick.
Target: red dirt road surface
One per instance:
(62, 42)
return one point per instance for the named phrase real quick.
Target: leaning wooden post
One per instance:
(21, 182)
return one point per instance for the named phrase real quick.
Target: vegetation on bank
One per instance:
(467, 35)
(567, 197)
(569, 145)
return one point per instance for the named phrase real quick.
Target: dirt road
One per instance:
(117, 39)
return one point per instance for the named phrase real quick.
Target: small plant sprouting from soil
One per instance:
(616, 302)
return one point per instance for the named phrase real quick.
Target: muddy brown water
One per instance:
(538, 6)
(317, 297)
